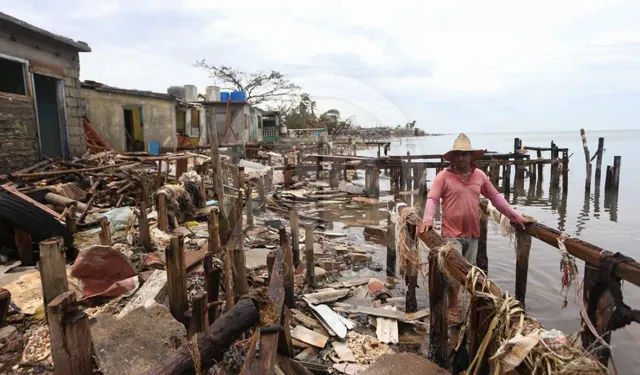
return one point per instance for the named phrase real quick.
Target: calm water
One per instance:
(605, 223)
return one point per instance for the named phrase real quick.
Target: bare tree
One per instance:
(260, 87)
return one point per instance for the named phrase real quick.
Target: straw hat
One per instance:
(462, 143)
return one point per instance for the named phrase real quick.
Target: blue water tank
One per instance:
(238, 96)
(224, 96)
(154, 148)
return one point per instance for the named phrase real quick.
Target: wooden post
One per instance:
(181, 167)
(482, 260)
(391, 242)
(411, 273)
(71, 220)
(143, 226)
(585, 146)
(540, 165)
(480, 321)
(288, 270)
(309, 256)
(24, 245)
(5, 301)
(261, 194)
(599, 158)
(177, 278)
(523, 248)
(565, 171)
(105, 233)
(295, 236)
(599, 317)
(199, 316)
(608, 178)
(239, 260)
(53, 270)
(516, 145)
(216, 168)
(250, 205)
(161, 209)
(616, 172)
(203, 194)
(334, 177)
(211, 286)
(214, 232)
(70, 336)
(300, 166)
(271, 258)
(228, 278)
(438, 333)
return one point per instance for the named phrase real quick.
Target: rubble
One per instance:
(123, 280)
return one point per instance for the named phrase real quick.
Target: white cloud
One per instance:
(424, 60)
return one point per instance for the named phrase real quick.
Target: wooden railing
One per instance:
(594, 257)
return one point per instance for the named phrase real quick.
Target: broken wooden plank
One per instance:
(387, 329)
(310, 337)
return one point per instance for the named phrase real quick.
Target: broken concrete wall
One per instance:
(105, 111)
(18, 126)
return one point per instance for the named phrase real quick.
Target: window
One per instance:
(12, 80)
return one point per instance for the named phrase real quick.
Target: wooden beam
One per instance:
(213, 343)
(265, 363)
(584, 250)
(523, 248)
(177, 278)
(53, 271)
(70, 336)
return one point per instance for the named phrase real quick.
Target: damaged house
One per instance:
(41, 107)
(133, 120)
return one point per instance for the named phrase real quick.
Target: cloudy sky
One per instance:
(474, 66)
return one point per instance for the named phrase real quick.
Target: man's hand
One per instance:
(424, 227)
(527, 220)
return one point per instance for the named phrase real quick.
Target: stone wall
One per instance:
(51, 59)
(18, 139)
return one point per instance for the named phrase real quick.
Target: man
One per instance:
(459, 186)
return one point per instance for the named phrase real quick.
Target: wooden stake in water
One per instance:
(523, 248)
(585, 146)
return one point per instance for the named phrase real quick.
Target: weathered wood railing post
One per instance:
(480, 321)
(599, 315)
(271, 258)
(70, 336)
(161, 209)
(198, 315)
(411, 272)
(523, 248)
(213, 225)
(105, 232)
(250, 205)
(309, 255)
(295, 236)
(52, 267)
(211, 286)
(599, 159)
(334, 176)
(391, 241)
(482, 260)
(287, 269)
(585, 146)
(177, 278)
(617, 160)
(71, 220)
(239, 260)
(438, 289)
(143, 226)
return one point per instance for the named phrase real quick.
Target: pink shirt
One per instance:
(461, 200)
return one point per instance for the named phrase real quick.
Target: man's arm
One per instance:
(498, 201)
(433, 198)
